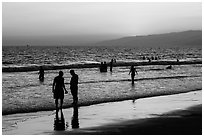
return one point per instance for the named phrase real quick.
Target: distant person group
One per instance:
(151, 58)
(103, 66)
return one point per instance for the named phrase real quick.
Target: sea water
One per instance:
(23, 92)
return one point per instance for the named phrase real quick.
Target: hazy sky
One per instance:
(77, 23)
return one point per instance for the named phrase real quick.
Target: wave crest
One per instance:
(93, 65)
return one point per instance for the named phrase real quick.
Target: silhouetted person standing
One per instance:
(74, 86)
(41, 74)
(58, 89)
(132, 71)
(111, 65)
(101, 67)
(105, 67)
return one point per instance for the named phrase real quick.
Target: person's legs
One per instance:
(41, 76)
(75, 96)
(61, 103)
(75, 99)
(72, 94)
(132, 79)
(56, 103)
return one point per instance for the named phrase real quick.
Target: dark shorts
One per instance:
(59, 94)
(74, 91)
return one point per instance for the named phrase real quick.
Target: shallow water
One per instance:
(22, 92)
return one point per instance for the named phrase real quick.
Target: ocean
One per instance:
(22, 92)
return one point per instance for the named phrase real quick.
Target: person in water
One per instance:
(111, 65)
(58, 89)
(132, 71)
(101, 67)
(105, 66)
(41, 74)
(74, 86)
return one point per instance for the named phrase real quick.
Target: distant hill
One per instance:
(174, 39)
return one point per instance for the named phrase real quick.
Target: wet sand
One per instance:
(184, 122)
(166, 115)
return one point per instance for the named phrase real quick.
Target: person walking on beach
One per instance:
(41, 74)
(132, 71)
(58, 89)
(74, 86)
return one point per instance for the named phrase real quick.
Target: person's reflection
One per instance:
(132, 88)
(59, 122)
(75, 119)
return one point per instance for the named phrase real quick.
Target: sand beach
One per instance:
(179, 114)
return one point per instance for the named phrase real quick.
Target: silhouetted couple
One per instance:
(59, 122)
(59, 89)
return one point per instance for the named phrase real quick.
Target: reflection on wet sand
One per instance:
(59, 122)
(75, 119)
(100, 116)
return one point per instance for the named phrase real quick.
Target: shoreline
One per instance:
(110, 100)
(128, 116)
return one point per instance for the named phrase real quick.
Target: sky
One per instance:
(76, 23)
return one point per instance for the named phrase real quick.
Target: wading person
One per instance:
(41, 74)
(74, 86)
(132, 71)
(111, 65)
(58, 89)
